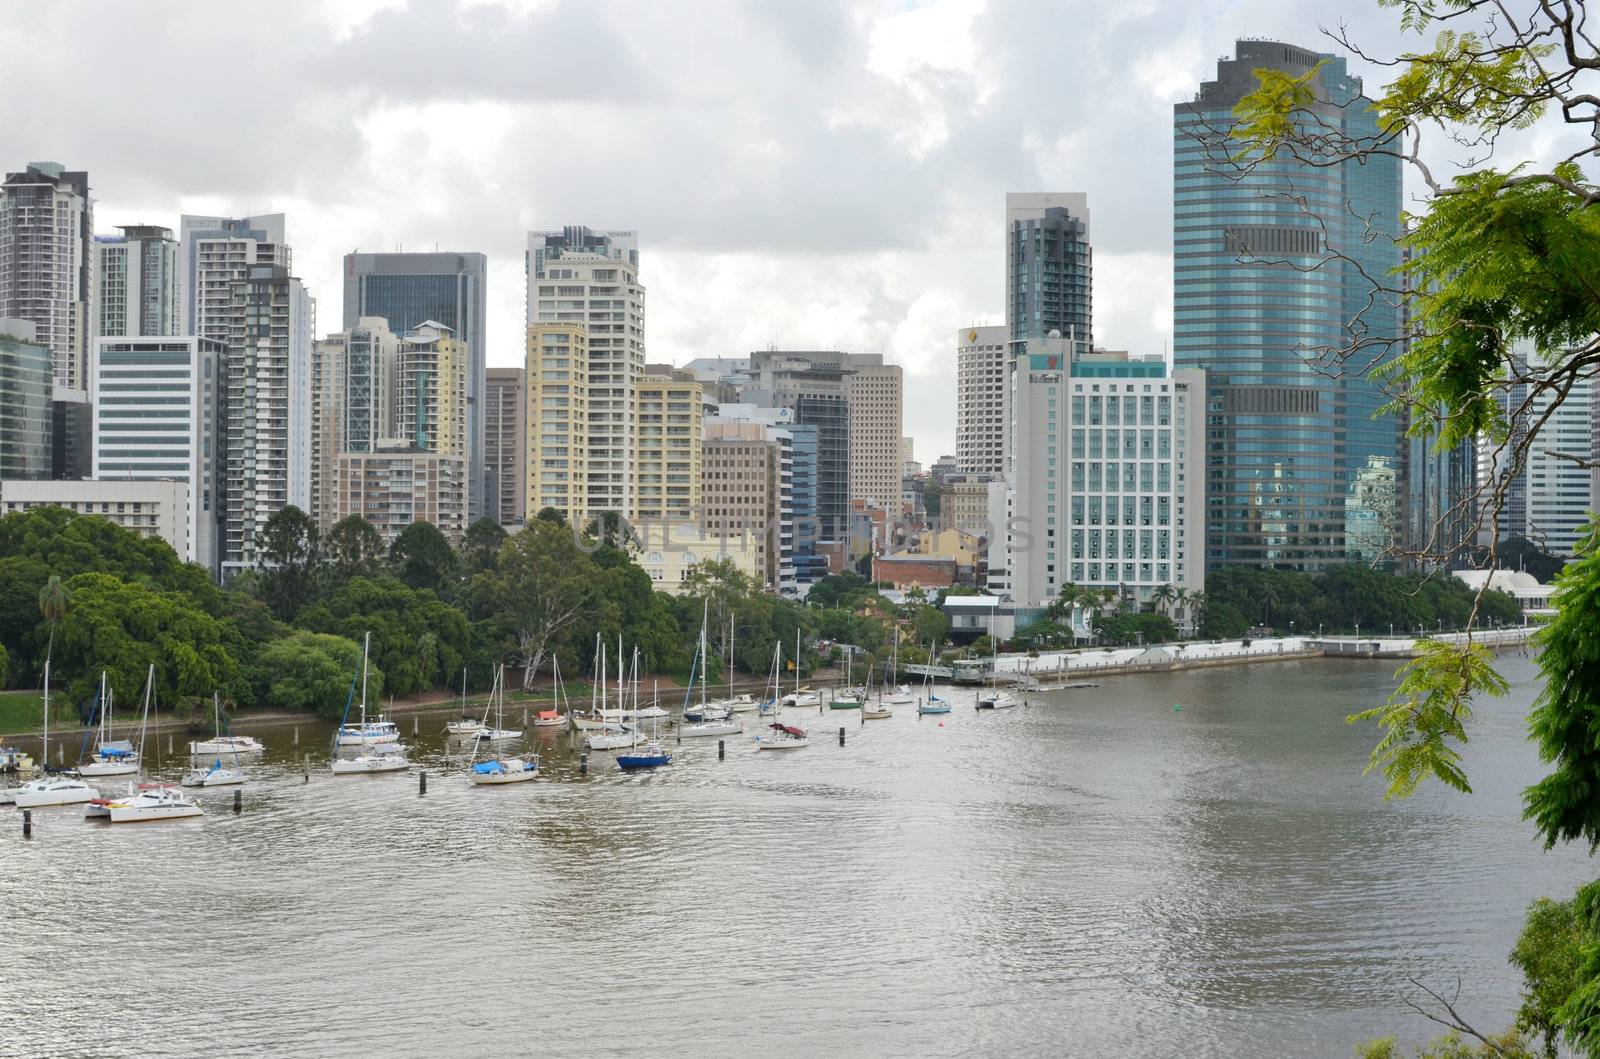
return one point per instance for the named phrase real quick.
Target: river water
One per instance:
(1092, 874)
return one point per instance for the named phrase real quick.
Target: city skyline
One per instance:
(877, 224)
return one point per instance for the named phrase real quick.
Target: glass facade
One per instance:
(1049, 268)
(26, 411)
(1276, 293)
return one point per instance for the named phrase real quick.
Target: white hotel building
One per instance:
(1104, 485)
(157, 416)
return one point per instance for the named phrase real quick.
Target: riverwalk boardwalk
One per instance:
(1051, 667)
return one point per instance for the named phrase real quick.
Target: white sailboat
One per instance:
(382, 756)
(499, 770)
(555, 717)
(931, 703)
(224, 744)
(720, 723)
(149, 802)
(777, 736)
(800, 697)
(895, 694)
(215, 775)
(464, 725)
(112, 757)
(48, 789)
(849, 698)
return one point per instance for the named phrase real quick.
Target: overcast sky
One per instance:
(802, 173)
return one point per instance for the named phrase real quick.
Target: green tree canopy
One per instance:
(354, 547)
(311, 671)
(422, 558)
(418, 641)
(542, 588)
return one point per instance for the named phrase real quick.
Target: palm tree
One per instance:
(1163, 597)
(53, 606)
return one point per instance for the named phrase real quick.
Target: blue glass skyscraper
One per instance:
(1279, 276)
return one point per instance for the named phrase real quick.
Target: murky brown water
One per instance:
(1092, 875)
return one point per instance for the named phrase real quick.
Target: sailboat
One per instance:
(554, 717)
(930, 703)
(800, 696)
(464, 725)
(607, 730)
(705, 710)
(776, 736)
(215, 775)
(50, 789)
(772, 700)
(224, 744)
(385, 756)
(149, 802)
(900, 694)
(112, 757)
(704, 726)
(500, 770)
(851, 698)
(648, 755)
(992, 698)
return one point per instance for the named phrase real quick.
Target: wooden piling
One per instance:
(722, 749)
(27, 823)
(422, 782)
(238, 802)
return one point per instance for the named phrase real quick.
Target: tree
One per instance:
(1549, 953)
(719, 585)
(931, 498)
(419, 642)
(1222, 621)
(122, 627)
(52, 607)
(311, 671)
(289, 554)
(835, 589)
(542, 587)
(355, 547)
(423, 558)
(930, 625)
(481, 544)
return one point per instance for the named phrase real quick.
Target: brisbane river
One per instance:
(1092, 874)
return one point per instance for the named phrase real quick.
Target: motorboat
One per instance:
(777, 736)
(711, 729)
(997, 700)
(215, 776)
(504, 770)
(384, 757)
(14, 759)
(369, 733)
(645, 756)
(153, 801)
(380, 755)
(52, 790)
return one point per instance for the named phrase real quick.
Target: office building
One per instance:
(27, 367)
(591, 278)
(1107, 493)
(556, 445)
(448, 289)
(790, 532)
(47, 262)
(980, 399)
(876, 392)
(671, 409)
(267, 408)
(396, 485)
(743, 491)
(1049, 268)
(214, 253)
(148, 507)
(814, 385)
(1268, 298)
(136, 277)
(1546, 496)
(157, 416)
(352, 401)
(505, 459)
(72, 434)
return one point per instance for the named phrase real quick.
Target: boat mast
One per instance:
(366, 646)
(730, 655)
(705, 616)
(44, 760)
(144, 722)
(797, 665)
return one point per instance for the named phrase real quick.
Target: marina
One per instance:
(1064, 874)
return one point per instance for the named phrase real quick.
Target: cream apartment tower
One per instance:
(980, 399)
(577, 276)
(556, 412)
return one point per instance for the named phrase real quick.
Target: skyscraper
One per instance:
(215, 252)
(1049, 267)
(409, 290)
(581, 276)
(26, 413)
(504, 455)
(1275, 271)
(556, 370)
(137, 281)
(267, 407)
(352, 402)
(877, 415)
(980, 399)
(47, 262)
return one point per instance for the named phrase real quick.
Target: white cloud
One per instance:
(800, 173)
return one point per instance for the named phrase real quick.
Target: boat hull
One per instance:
(785, 744)
(515, 770)
(214, 778)
(634, 762)
(109, 768)
(130, 814)
(710, 730)
(364, 767)
(56, 794)
(241, 745)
